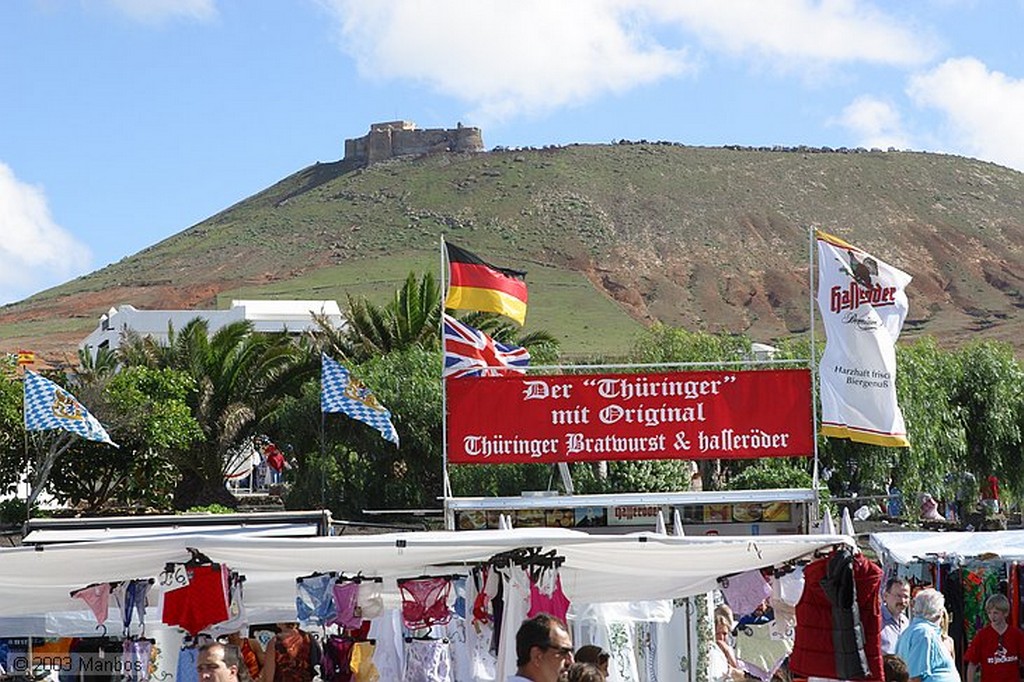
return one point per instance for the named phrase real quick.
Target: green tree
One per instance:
(93, 367)
(926, 381)
(410, 319)
(990, 396)
(771, 472)
(240, 378)
(12, 426)
(352, 468)
(147, 413)
(664, 344)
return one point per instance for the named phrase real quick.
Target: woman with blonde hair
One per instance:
(724, 665)
(947, 641)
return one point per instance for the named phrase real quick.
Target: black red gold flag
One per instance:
(476, 285)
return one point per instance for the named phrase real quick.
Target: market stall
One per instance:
(966, 567)
(37, 584)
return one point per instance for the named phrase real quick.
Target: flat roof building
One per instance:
(291, 317)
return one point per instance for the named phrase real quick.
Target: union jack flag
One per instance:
(468, 352)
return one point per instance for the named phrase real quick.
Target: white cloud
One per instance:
(875, 122)
(157, 11)
(983, 108)
(506, 58)
(812, 32)
(35, 252)
(511, 57)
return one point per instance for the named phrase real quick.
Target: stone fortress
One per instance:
(398, 138)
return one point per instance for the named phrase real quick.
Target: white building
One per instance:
(292, 317)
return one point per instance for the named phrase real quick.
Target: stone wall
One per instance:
(398, 138)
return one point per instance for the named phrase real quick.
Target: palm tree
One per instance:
(542, 345)
(240, 376)
(92, 369)
(410, 320)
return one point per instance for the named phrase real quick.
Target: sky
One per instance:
(124, 122)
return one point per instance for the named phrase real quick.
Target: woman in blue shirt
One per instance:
(920, 644)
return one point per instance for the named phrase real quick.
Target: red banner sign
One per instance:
(676, 415)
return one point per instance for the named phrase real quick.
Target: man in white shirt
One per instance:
(895, 600)
(543, 650)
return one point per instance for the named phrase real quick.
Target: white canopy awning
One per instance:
(37, 582)
(50, 536)
(907, 547)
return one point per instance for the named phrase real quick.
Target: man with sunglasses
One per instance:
(543, 650)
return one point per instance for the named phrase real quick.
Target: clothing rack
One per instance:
(358, 578)
(527, 557)
(316, 574)
(450, 576)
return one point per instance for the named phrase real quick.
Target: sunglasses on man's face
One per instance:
(562, 651)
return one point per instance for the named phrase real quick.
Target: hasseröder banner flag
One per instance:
(863, 304)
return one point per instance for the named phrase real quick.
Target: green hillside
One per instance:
(613, 237)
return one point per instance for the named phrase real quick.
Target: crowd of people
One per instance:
(918, 646)
(544, 653)
(291, 655)
(915, 643)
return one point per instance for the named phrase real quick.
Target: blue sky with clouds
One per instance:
(123, 122)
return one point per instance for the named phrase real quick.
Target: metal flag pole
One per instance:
(815, 478)
(446, 486)
(28, 474)
(323, 448)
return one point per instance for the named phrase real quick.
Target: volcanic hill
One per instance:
(613, 237)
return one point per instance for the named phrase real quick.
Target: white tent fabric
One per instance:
(677, 524)
(911, 546)
(50, 536)
(846, 523)
(659, 524)
(828, 524)
(597, 568)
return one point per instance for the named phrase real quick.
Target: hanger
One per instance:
(829, 551)
(102, 627)
(784, 569)
(358, 578)
(315, 574)
(450, 576)
(527, 557)
(198, 559)
(92, 585)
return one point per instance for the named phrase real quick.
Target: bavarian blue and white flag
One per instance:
(48, 406)
(341, 392)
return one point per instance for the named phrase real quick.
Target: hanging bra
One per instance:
(425, 601)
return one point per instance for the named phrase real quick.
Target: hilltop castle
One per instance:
(397, 138)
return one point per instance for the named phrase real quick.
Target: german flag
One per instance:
(476, 285)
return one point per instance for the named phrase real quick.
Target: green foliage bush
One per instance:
(210, 509)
